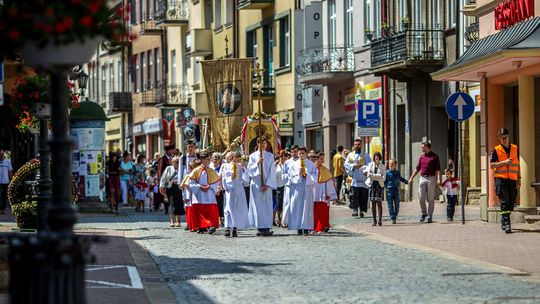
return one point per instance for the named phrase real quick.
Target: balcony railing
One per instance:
(253, 4)
(149, 98)
(471, 32)
(120, 102)
(172, 12)
(417, 45)
(149, 27)
(327, 59)
(173, 95)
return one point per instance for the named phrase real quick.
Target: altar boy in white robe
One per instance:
(286, 192)
(203, 183)
(301, 177)
(324, 194)
(260, 199)
(235, 206)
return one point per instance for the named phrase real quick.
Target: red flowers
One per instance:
(64, 25)
(86, 21)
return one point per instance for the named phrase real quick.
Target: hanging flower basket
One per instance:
(59, 32)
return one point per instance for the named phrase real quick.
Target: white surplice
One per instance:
(322, 190)
(286, 191)
(301, 194)
(260, 203)
(200, 197)
(235, 205)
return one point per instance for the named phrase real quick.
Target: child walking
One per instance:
(376, 173)
(141, 189)
(153, 187)
(451, 185)
(393, 177)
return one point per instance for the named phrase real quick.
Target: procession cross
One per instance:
(260, 131)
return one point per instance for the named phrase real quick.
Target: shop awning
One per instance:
(503, 52)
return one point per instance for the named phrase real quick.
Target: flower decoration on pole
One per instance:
(31, 99)
(59, 23)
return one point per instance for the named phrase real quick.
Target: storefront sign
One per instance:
(513, 11)
(313, 25)
(286, 121)
(349, 99)
(137, 129)
(152, 126)
(312, 98)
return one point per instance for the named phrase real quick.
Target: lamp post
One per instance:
(82, 81)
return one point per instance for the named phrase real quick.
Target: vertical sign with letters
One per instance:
(313, 25)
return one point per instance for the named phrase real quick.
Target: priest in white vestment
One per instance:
(260, 199)
(203, 183)
(235, 206)
(301, 176)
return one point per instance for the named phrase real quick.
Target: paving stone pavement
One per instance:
(340, 267)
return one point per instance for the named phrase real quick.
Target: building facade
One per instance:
(503, 67)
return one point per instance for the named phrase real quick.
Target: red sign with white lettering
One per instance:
(513, 11)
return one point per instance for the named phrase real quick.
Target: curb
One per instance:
(155, 289)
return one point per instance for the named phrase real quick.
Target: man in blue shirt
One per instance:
(355, 164)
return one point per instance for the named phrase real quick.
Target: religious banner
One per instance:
(167, 119)
(251, 131)
(229, 91)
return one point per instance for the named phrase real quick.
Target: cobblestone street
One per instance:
(339, 267)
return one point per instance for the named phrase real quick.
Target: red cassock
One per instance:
(321, 216)
(188, 216)
(204, 216)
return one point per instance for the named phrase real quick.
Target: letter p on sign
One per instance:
(368, 108)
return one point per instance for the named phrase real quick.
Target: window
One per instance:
(134, 12)
(437, 8)
(103, 82)
(217, 14)
(229, 4)
(156, 67)
(95, 81)
(269, 54)
(284, 42)
(251, 44)
(150, 70)
(208, 14)
(402, 9)
(332, 16)
(451, 13)
(417, 12)
(148, 11)
(141, 11)
(368, 26)
(111, 77)
(173, 67)
(143, 70)
(378, 17)
(136, 73)
(349, 23)
(120, 81)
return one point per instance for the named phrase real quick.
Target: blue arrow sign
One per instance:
(459, 106)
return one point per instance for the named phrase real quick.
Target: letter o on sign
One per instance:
(316, 16)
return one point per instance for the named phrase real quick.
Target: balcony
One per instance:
(254, 4)
(149, 98)
(173, 95)
(119, 102)
(172, 13)
(201, 43)
(149, 27)
(325, 65)
(408, 53)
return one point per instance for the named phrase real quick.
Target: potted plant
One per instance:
(385, 28)
(405, 23)
(59, 32)
(369, 34)
(25, 213)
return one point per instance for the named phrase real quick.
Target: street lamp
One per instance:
(82, 81)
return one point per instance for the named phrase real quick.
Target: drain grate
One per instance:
(181, 279)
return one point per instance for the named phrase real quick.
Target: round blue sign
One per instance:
(460, 106)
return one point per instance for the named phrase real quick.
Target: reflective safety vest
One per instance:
(511, 171)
